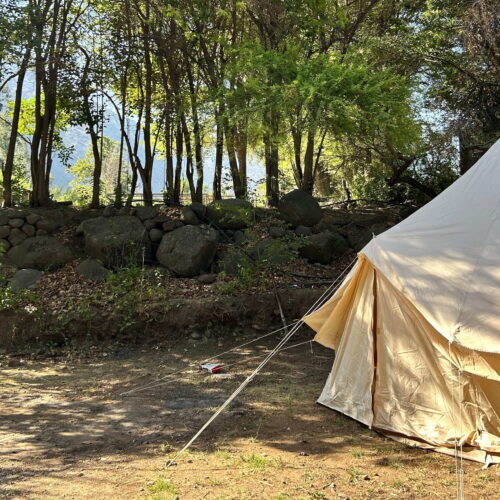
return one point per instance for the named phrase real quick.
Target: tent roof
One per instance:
(445, 257)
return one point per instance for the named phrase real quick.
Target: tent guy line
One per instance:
(318, 304)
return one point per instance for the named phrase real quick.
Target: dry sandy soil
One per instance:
(66, 431)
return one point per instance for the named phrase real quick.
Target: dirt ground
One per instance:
(68, 431)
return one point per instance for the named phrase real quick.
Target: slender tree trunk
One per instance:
(198, 147)
(189, 159)
(11, 148)
(241, 153)
(219, 156)
(297, 150)
(239, 190)
(169, 160)
(133, 186)
(179, 144)
(272, 159)
(307, 183)
(118, 187)
(146, 172)
(96, 175)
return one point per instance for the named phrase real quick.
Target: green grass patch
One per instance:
(162, 489)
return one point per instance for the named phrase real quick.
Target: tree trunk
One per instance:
(241, 153)
(11, 148)
(169, 162)
(197, 195)
(96, 175)
(271, 153)
(219, 156)
(179, 142)
(189, 158)
(118, 188)
(307, 183)
(239, 190)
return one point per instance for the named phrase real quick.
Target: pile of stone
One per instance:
(186, 246)
(18, 225)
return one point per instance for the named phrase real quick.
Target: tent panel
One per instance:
(329, 326)
(444, 258)
(420, 391)
(348, 388)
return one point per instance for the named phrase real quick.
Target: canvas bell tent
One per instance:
(416, 324)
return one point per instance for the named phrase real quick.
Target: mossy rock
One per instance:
(231, 214)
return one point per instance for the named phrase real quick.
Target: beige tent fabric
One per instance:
(416, 324)
(445, 257)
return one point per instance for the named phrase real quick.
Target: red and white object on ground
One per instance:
(211, 367)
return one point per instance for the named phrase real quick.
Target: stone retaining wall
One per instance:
(17, 225)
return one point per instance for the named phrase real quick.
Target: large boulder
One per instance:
(359, 236)
(40, 252)
(25, 279)
(189, 216)
(93, 270)
(144, 213)
(322, 248)
(231, 213)
(115, 241)
(189, 250)
(299, 208)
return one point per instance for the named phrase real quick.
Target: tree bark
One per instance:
(11, 148)
(219, 156)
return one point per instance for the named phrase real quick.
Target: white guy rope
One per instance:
(328, 292)
(155, 383)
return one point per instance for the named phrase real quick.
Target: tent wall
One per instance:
(349, 386)
(420, 389)
(394, 372)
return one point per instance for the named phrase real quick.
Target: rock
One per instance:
(28, 229)
(331, 222)
(199, 209)
(303, 231)
(207, 279)
(196, 336)
(4, 218)
(41, 232)
(299, 208)
(239, 237)
(189, 216)
(109, 211)
(32, 219)
(47, 225)
(359, 236)
(323, 247)
(123, 211)
(40, 252)
(232, 263)
(231, 213)
(149, 224)
(155, 235)
(25, 279)
(4, 231)
(188, 250)
(16, 237)
(14, 363)
(16, 213)
(16, 222)
(93, 270)
(277, 231)
(4, 246)
(115, 241)
(171, 225)
(271, 252)
(145, 213)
